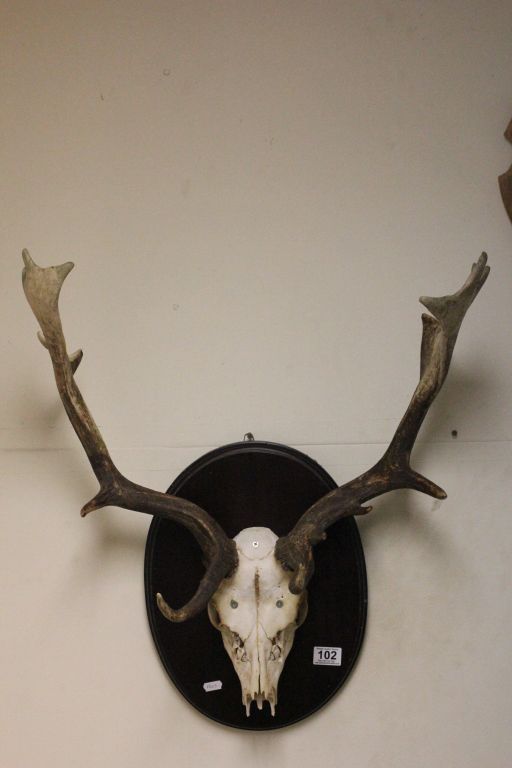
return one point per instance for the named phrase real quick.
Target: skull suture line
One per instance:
(256, 596)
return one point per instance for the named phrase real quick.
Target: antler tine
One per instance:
(42, 288)
(393, 470)
(438, 341)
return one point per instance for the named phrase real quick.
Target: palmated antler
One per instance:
(42, 289)
(393, 470)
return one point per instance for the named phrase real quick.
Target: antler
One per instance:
(505, 179)
(42, 288)
(393, 470)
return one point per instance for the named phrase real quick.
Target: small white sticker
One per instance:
(327, 656)
(215, 685)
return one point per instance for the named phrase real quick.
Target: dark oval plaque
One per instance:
(243, 485)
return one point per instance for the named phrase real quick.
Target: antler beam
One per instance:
(42, 288)
(393, 470)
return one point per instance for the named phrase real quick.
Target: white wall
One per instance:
(255, 194)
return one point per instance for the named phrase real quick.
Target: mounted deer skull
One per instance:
(255, 585)
(257, 616)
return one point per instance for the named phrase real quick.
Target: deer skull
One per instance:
(257, 616)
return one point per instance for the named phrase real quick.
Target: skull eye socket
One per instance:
(303, 610)
(214, 615)
(275, 653)
(238, 647)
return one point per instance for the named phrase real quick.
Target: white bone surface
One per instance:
(257, 616)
